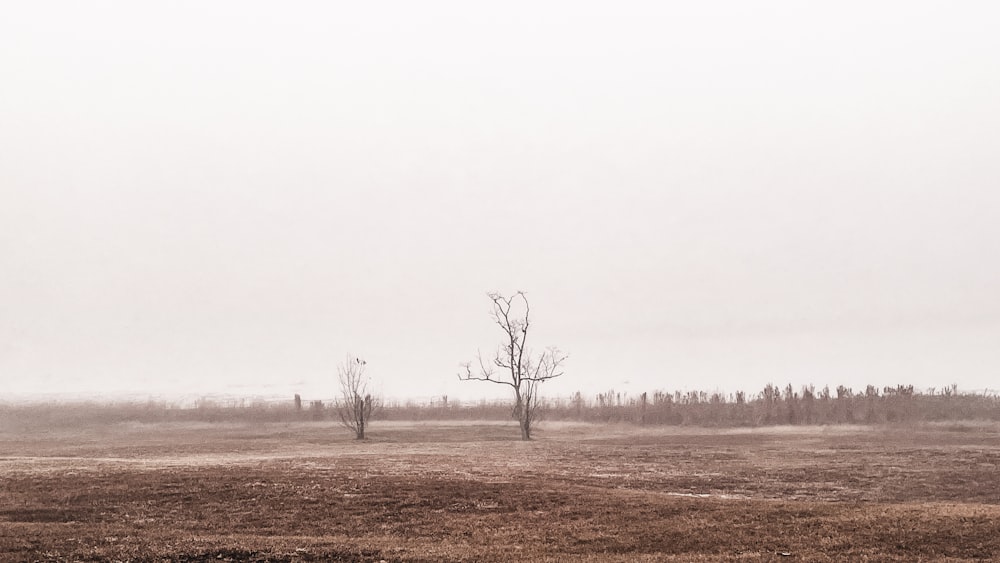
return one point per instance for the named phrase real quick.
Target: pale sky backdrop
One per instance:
(229, 197)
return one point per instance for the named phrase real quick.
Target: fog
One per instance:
(230, 197)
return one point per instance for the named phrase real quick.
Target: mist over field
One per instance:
(534, 281)
(229, 198)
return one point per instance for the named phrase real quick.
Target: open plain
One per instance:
(305, 491)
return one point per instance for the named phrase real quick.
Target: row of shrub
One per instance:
(779, 406)
(771, 406)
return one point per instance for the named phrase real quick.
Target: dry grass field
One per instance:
(474, 492)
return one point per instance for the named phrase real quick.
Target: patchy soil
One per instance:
(473, 492)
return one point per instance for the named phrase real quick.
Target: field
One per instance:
(305, 491)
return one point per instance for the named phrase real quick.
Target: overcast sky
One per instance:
(229, 197)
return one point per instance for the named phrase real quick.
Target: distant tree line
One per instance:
(771, 406)
(778, 406)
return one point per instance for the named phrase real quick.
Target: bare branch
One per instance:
(548, 365)
(485, 374)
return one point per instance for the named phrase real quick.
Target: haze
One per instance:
(229, 197)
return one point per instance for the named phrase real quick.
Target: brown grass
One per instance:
(473, 492)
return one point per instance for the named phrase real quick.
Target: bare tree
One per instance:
(521, 369)
(356, 404)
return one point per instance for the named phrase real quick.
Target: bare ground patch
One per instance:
(300, 492)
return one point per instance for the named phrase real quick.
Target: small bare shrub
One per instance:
(356, 403)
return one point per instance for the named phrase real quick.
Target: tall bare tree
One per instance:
(519, 367)
(356, 403)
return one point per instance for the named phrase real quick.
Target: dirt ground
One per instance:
(474, 492)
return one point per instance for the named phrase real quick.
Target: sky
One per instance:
(232, 197)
